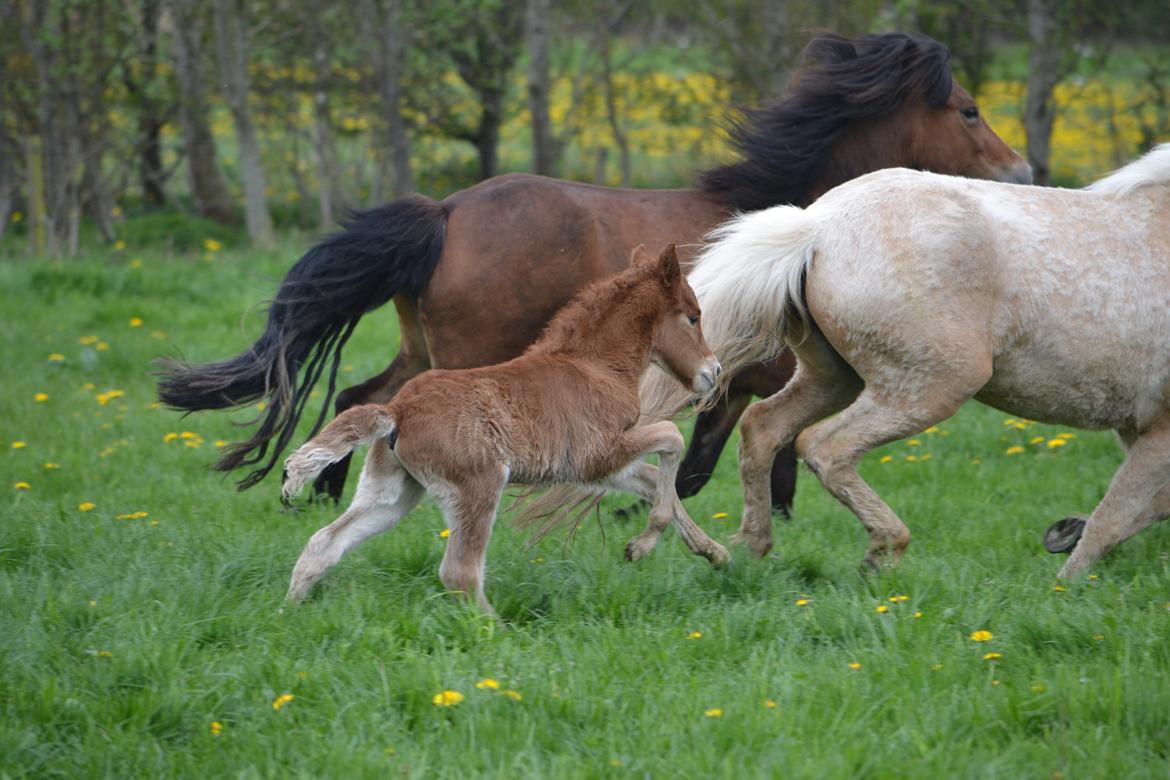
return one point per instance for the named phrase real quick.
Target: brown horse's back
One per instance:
(519, 247)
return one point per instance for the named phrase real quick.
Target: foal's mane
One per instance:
(577, 323)
(1152, 169)
(841, 79)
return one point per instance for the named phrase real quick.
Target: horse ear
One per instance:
(640, 256)
(669, 267)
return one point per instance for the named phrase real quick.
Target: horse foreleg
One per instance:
(1135, 499)
(385, 493)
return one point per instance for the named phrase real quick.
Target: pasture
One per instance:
(141, 629)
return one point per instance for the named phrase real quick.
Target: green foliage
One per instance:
(125, 637)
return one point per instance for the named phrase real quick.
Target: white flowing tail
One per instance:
(350, 429)
(749, 282)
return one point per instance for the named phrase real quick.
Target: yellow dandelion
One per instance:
(282, 700)
(982, 635)
(927, 456)
(769, 704)
(995, 682)
(170, 437)
(886, 459)
(1036, 440)
(119, 245)
(1059, 588)
(135, 322)
(85, 506)
(1066, 435)
(1093, 578)
(136, 263)
(216, 728)
(211, 245)
(881, 609)
(18, 445)
(931, 429)
(695, 635)
(488, 683)
(1014, 450)
(1054, 443)
(911, 458)
(992, 656)
(21, 485)
(101, 346)
(16, 216)
(714, 712)
(719, 516)
(802, 602)
(41, 397)
(85, 341)
(220, 443)
(896, 599)
(917, 614)
(854, 665)
(56, 357)
(51, 466)
(444, 533)
(105, 654)
(447, 698)
(511, 694)
(914, 443)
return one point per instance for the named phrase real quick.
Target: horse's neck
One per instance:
(865, 147)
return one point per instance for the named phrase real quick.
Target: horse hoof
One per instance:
(718, 556)
(1063, 535)
(756, 548)
(635, 553)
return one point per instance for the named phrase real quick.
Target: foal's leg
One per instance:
(823, 384)
(384, 494)
(1131, 502)
(470, 508)
(664, 439)
(642, 480)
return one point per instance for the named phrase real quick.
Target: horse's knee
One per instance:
(758, 442)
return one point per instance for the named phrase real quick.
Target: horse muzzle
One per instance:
(707, 377)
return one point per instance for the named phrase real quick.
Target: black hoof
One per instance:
(1063, 535)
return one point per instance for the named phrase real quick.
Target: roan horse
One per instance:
(566, 411)
(903, 294)
(477, 276)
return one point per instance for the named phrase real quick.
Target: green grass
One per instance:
(122, 640)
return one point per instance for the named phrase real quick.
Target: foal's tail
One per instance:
(750, 286)
(349, 430)
(382, 252)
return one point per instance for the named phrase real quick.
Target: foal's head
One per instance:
(679, 347)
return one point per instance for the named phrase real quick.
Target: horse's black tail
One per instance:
(382, 252)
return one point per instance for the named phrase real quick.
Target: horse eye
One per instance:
(970, 113)
(693, 319)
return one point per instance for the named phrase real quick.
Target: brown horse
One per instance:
(474, 278)
(565, 412)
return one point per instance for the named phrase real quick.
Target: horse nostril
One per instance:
(718, 370)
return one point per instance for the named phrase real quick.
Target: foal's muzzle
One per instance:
(707, 377)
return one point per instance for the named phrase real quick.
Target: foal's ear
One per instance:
(640, 256)
(668, 266)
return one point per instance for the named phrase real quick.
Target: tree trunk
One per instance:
(323, 140)
(150, 121)
(546, 151)
(487, 138)
(611, 109)
(210, 192)
(232, 53)
(390, 58)
(1044, 73)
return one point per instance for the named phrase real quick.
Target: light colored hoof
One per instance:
(757, 547)
(717, 555)
(639, 548)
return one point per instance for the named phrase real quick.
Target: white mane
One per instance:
(1150, 169)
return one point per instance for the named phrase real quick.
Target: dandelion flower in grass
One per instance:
(85, 506)
(51, 466)
(854, 665)
(101, 346)
(913, 442)
(211, 245)
(995, 682)
(119, 245)
(1014, 450)
(898, 598)
(444, 533)
(1036, 440)
(917, 614)
(56, 357)
(85, 341)
(488, 683)
(136, 263)
(18, 445)
(714, 712)
(769, 704)
(881, 609)
(170, 437)
(911, 458)
(1066, 435)
(447, 698)
(40, 397)
(802, 602)
(16, 216)
(886, 458)
(992, 656)
(220, 443)
(1059, 588)
(135, 322)
(216, 728)
(695, 635)
(282, 700)
(719, 516)
(511, 694)
(982, 635)
(1054, 443)
(931, 429)
(21, 485)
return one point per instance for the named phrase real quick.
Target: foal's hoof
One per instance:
(1063, 535)
(636, 551)
(757, 547)
(717, 556)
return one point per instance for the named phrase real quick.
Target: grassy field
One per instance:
(141, 630)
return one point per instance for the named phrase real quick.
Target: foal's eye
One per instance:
(693, 319)
(970, 113)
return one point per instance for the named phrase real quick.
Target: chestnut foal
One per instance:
(564, 412)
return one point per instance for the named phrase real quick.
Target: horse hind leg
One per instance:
(470, 509)
(385, 493)
(1137, 497)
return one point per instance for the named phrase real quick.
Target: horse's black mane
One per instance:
(841, 79)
